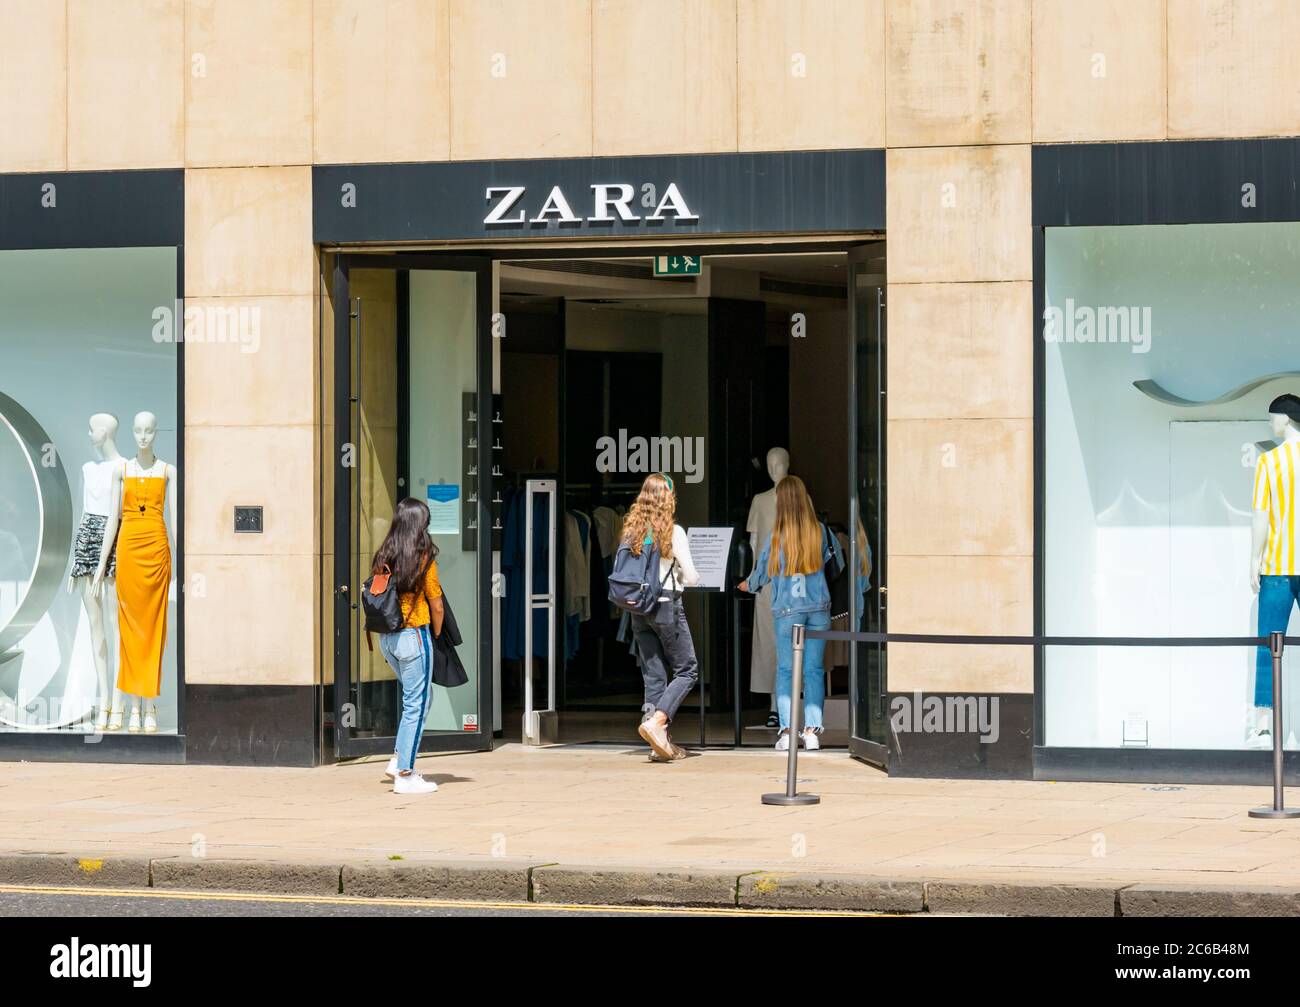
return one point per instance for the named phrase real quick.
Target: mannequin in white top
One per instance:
(145, 430)
(97, 482)
(762, 517)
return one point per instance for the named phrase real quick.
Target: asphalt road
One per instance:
(50, 903)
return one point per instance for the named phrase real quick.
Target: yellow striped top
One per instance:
(1275, 483)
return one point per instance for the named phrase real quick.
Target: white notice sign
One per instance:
(710, 548)
(444, 508)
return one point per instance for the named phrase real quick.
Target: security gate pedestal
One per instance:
(541, 727)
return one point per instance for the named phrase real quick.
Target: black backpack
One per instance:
(838, 579)
(634, 584)
(382, 607)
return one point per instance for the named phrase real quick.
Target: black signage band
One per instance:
(93, 209)
(651, 197)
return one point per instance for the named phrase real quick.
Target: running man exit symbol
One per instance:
(677, 265)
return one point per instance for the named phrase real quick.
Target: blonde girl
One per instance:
(794, 560)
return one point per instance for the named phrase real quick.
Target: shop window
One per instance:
(1164, 347)
(89, 369)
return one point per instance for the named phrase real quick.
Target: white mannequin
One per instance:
(103, 439)
(762, 517)
(145, 430)
(1284, 431)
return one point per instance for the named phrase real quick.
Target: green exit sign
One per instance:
(677, 265)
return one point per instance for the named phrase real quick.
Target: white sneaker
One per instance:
(413, 784)
(390, 770)
(810, 740)
(783, 742)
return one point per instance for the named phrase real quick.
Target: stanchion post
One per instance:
(1276, 641)
(735, 665)
(791, 795)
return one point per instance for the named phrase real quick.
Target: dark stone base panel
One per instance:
(115, 747)
(252, 725)
(963, 755)
(1166, 765)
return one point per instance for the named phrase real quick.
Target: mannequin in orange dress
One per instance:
(141, 488)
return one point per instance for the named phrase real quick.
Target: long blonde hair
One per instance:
(797, 534)
(651, 516)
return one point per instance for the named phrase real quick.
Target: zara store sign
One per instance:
(607, 200)
(771, 192)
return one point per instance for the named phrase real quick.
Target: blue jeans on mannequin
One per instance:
(409, 653)
(1276, 596)
(814, 673)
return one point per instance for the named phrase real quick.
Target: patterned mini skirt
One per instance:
(90, 540)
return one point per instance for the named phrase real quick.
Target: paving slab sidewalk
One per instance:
(602, 824)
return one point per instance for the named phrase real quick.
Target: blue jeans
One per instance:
(814, 674)
(1276, 596)
(409, 653)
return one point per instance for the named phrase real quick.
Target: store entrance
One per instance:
(607, 372)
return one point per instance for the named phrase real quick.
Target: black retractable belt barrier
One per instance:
(1274, 641)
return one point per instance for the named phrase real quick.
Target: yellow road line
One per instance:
(154, 893)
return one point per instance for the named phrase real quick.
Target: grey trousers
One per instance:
(664, 642)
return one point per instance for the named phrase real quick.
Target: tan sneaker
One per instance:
(678, 753)
(656, 736)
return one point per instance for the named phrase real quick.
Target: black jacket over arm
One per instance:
(448, 671)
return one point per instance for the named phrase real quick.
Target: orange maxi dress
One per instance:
(144, 571)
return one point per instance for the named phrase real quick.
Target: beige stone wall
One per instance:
(960, 269)
(245, 95)
(251, 429)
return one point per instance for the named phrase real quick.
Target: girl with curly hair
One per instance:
(663, 638)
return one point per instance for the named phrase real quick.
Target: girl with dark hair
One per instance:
(409, 556)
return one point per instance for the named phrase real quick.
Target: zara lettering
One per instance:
(610, 202)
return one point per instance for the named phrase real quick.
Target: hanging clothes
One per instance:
(513, 549)
(598, 583)
(577, 560)
(609, 529)
(512, 568)
(577, 604)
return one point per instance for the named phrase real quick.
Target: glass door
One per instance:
(868, 737)
(413, 417)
